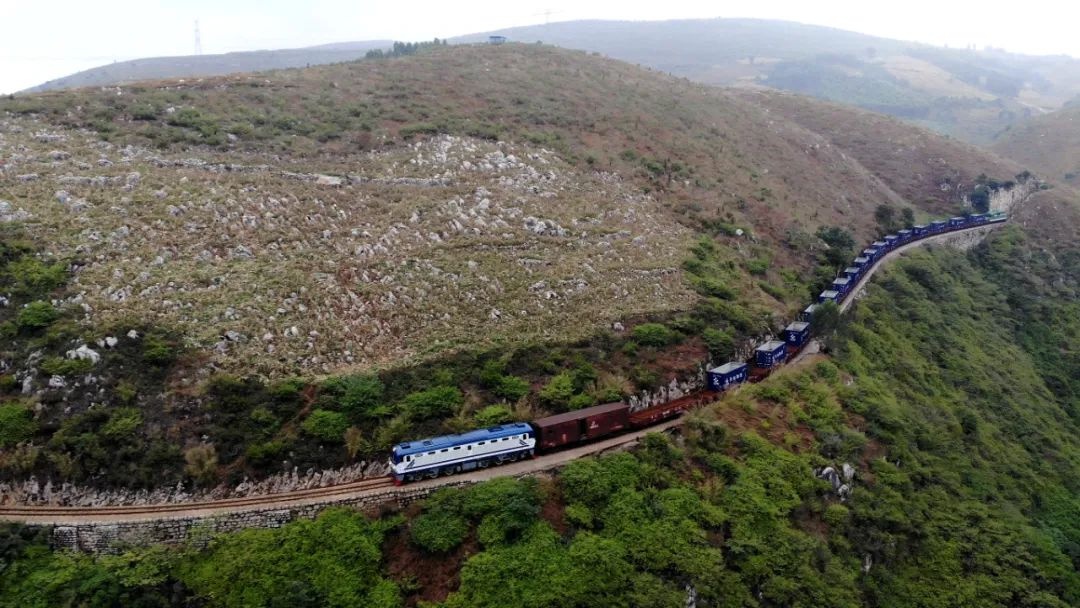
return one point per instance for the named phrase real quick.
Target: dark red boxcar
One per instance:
(581, 425)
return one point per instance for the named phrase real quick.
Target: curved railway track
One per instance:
(59, 515)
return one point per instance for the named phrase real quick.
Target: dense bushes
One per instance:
(502, 510)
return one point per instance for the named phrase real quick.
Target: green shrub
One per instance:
(37, 315)
(287, 389)
(122, 423)
(714, 287)
(361, 397)
(437, 402)
(836, 515)
(17, 424)
(720, 343)
(511, 388)
(654, 334)
(558, 391)
(326, 425)
(158, 349)
(505, 507)
(757, 266)
(62, 366)
(581, 401)
(261, 454)
(493, 414)
(33, 278)
(126, 391)
(439, 531)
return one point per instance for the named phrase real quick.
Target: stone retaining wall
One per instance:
(197, 531)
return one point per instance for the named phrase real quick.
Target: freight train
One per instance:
(481, 448)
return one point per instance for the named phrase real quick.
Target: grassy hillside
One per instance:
(467, 223)
(1048, 144)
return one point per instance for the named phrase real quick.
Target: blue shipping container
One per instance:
(920, 230)
(852, 272)
(771, 353)
(841, 285)
(861, 261)
(797, 333)
(829, 296)
(808, 313)
(727, 374)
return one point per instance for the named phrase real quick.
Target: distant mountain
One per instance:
(189, 66)
(1048, 145)
(969, 94)
(972, 95)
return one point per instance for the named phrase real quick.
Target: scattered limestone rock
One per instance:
(84, 353)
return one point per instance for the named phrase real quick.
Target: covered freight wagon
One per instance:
(769, 354)
(861, 262)
(841, 285)
(852, 272)
(905, 235)
(581, 425)
(727, 374)
(892, 241)
(808, 313)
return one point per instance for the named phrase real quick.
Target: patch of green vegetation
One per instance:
(435, 402)
(17, 423)
(62, 366)
(654, 334)
(36, 316)
(326, 426)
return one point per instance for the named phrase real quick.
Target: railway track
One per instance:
(225, 504)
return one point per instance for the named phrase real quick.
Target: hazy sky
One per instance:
(45, 39)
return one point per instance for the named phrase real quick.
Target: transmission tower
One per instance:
(198, 39)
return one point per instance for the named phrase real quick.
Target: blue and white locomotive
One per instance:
(456, 453)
